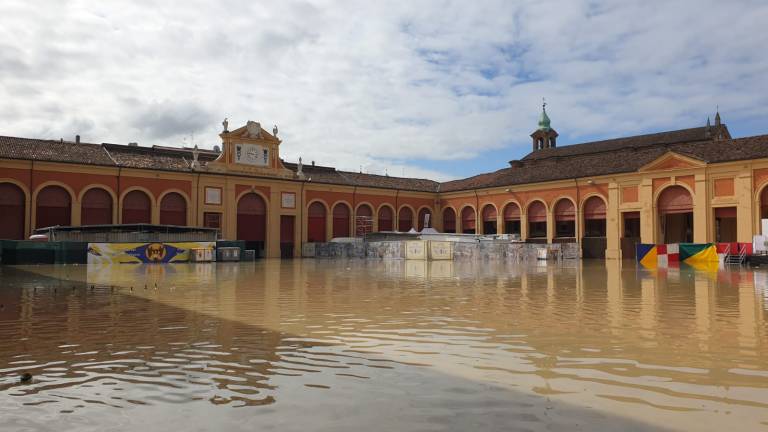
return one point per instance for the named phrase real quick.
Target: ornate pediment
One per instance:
(672, 161)
(251, 149)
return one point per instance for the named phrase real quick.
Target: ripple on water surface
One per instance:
(395, 345)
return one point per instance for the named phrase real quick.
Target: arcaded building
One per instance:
(689, 185)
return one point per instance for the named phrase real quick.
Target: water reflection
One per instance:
(406, 344)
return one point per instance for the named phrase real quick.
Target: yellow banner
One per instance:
(135, 253)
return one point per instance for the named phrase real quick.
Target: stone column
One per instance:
(648, 222)
(273, 224)
(550, 225)
(613, 223)
(701, 210)
(745, 207)
(523, 226)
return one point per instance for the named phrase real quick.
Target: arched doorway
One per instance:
(425, 214)
(405, 219)
(252, 222)
(316, 220)
(537, 221)
(173, 209)
(675, 208)
(512, 219)
(449, 220)
(565, 220)
(489, 220)
(594, 242)
(96, 207)
(468, 220)
(764, 204)
(54, 207)
(12, 208)
(341, 220)
(137, 208)
(363, 220)
(386, 217)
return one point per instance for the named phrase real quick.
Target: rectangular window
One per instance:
(212, 220)
(213, 195)
(288, 200)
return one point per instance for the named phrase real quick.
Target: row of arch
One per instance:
(564, 217)
(343, 224)
(54, 205)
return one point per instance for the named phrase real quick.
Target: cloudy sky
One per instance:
(437, 89)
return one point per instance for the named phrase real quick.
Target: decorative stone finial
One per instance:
(225, 123)
(300, 170)
(195, 154)
(274, 132)
(254, 129)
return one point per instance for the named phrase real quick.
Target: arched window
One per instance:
(54, 207)
(764, 203)
(489, 219)
(424, 214)
(449, 220)
(594, 217)
(12, 209)
(565, 219)
(96, 207)
(363, 220)
(537, 220)
(173, 209)
(385, 219)
(468, 220)
(316, 219)
(675, 205)
(405, 219)
(137, 208)
(512, 219)
(341, 220)
(252, 221)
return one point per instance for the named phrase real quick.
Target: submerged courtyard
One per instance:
(383, 345)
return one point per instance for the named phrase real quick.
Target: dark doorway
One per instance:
(54, 207)
(676, 215)
(286, 236)
(11, 212)
(252, 222)
(725, 224)
(630, 234)
(96, 207)
(316, 217)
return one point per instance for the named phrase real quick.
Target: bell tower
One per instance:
(544, 137)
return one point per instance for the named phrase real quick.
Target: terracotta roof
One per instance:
(617, 161)
(669, 137)
(53, 151)
(155, 157)
(330, 175)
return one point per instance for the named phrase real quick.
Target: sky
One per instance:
(431, 89)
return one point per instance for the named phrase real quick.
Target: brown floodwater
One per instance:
(326, 345)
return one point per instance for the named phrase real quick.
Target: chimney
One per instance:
(313, 163)
(133, 144)
(77, 139)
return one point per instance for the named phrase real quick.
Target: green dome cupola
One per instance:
(544, 122)
(544, 137)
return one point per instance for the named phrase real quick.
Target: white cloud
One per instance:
(379, 84)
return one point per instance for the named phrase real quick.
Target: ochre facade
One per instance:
(716, 199)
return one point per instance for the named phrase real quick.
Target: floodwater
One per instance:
(354, 345)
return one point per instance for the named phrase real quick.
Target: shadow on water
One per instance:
(122, 353)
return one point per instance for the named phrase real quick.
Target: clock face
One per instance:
(252, 154)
